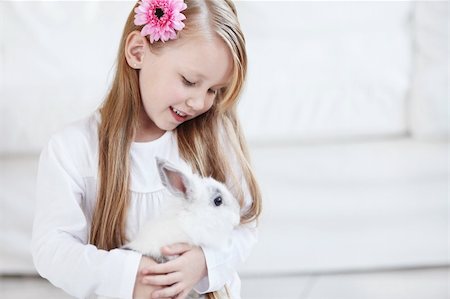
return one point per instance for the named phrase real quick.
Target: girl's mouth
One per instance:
(178, 115)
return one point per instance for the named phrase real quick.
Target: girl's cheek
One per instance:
(179, 93)
(209, 103)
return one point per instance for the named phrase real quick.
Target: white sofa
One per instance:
(345, 108)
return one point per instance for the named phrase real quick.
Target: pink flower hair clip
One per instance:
(161, 18)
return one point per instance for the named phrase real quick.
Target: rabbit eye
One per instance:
(218, 201)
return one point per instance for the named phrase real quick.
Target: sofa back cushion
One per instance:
(56, 63)
(429, 108)
(326, 70)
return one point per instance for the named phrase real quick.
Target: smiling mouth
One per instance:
(178, 112)
(178, 115)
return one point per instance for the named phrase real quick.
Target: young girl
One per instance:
(180, 70)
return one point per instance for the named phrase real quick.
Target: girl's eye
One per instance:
(190, 84)
(187, 82)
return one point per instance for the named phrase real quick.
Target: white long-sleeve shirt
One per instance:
(66, 195)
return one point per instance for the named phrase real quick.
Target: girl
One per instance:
(180, 69)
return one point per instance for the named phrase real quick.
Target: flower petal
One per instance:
(164, 27)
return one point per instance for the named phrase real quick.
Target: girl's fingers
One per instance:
(172, 265)
(175, 249)
(164, 268)
(171, 291)
(182, 295)
(162, 280)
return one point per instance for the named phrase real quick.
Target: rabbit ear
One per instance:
(174, 180)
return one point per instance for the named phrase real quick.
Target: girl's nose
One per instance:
(196, 102)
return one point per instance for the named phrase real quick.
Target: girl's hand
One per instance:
(144, 290)
(177, 277)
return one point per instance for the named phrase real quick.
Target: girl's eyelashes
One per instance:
(190, 84)
(187, 82)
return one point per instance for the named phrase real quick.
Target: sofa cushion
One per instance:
(429, 109)
(17, 197)
(351, 206)
(329, 70)
(56, 63)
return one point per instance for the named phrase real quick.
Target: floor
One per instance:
(407, 284)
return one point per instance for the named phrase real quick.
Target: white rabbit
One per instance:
(200, 211)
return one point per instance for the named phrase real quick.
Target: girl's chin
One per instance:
(167, 127)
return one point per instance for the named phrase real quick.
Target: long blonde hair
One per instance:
(201, 140)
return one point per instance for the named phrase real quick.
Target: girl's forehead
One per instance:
(203, 59)
(198, 48)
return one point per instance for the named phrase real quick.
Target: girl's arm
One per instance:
(60, 231)
(222, 263)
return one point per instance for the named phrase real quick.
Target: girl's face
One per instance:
(180, 82)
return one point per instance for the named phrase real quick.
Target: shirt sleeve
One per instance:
(60, 234)
(222, 263)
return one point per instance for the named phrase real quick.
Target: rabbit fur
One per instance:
(200, 211)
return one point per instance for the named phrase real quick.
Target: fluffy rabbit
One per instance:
(200, 211)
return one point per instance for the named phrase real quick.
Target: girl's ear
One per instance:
(135, 46)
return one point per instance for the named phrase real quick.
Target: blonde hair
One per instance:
(199, 139)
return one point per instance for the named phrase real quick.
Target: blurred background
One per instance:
(346, 110)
